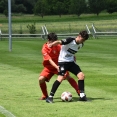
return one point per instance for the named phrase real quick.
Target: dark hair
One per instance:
(84, 34)
(52, 37)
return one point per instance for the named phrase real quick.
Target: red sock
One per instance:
(44, 89)
(74, 84)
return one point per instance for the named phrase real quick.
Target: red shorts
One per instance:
(48, 73)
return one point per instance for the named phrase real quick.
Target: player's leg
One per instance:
(72, 82)
(75, 69)
(81, 78)
(43, 87)
(54, 88)
(56, 85)
(44, 77)
(62, 71)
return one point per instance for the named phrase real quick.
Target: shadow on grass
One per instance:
(75, 99)
(92, 98)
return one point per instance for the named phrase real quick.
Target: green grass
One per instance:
(64, 18)
(19, 90)
(1, 115)
(65, 24)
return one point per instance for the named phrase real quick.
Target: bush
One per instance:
(32, 28)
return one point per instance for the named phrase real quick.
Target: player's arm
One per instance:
(54, 43)
(46, 57)
(53, 64)
(66, 41)
(62, 42)
(74, 58)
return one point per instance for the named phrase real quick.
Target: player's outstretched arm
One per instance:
(54, 64)
(55, 43)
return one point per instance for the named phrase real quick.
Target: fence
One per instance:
(42, 35)
(96, 33)
(93, 32)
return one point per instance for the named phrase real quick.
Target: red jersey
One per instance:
(50, 53)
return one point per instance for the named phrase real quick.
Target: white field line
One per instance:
(6, 112)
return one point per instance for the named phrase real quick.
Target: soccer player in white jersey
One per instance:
(66, 62)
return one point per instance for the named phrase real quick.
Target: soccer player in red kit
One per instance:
(50, 63)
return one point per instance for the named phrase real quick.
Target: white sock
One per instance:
(50, 96)
(82, 95)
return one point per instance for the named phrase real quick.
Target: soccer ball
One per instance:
(66, 96)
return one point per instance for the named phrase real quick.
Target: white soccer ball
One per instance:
(66, 96)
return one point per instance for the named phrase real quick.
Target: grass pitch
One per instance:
(66, 24)
(19, 90)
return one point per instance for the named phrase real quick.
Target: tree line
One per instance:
(59, 7)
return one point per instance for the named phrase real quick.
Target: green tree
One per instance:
(77, 7)
(59, 8)
(111, 6)
(27, 5)
(66, 6)
(41, 8)
(96, 6)
(51, 7)
(20, 8)
(4, 7)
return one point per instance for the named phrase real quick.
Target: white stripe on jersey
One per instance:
(68, 50)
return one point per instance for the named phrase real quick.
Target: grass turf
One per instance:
(19, 90)
(66, 24)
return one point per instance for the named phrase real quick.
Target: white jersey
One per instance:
(68, 49)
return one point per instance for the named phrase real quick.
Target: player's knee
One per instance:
(60, 78)
(67, 77)
(41, 79)
(81, 76)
